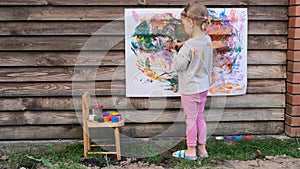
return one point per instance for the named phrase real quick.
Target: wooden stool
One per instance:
(87, 124)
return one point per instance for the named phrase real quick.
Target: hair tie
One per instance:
(207, 19)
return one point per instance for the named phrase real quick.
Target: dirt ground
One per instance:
(269, 162)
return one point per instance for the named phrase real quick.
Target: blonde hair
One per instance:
(198, 13)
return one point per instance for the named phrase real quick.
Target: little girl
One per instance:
(194, 65)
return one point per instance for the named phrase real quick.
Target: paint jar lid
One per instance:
(97, 107)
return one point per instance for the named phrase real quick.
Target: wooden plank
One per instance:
(23, 2)
(65, 43)
(139, 2)
(109, 88)
(112, 13)
(227, 128)
(64, 88)
(267, 27)
(267, 42)
(138, 130)
(113, 28)
(94, 124)
(58, 43)
(266, 86)
(62, 28)
(266, 57)
(120, 103)
(38, 118)
(211, 115)
(140, 116)
(111, 58)
(84, 58)
(259, 72)
(40, 132)
(260, 13)
(63, 74)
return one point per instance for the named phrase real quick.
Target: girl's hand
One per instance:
(178, 45)
(173, 51)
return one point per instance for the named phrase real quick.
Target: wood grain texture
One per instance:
(109, 88)
(48, 60)
(112, 13)
(228, 128)
(60, 74)
(38, 118)
(120, 102)
(110, 58)
(41, 132)
(58, 43)
(139, 2)
(107, 43)
(83, 58)
(266, 57)
(112, 28)
(267, 42)
(267, 28)
(64, 88)
(145, 116)
(138, 130)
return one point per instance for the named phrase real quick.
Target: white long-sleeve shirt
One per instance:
(193, 63)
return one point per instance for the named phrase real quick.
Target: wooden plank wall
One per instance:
(40, 41)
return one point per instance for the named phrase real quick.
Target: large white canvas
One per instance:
(148, 33)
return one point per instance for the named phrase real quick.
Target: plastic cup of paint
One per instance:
(97, 110)
(114, 113)
(114, 119)
(97, 117)
(106, 118)
(92, 117)
(219, 138)
(119, 117)
(248, 137)
(228, 137)
(208, 138)
(106, 114)
(238, 137)
(101, 120)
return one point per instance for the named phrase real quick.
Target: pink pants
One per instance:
(193, 107)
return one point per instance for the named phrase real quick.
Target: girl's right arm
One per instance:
(181, 59)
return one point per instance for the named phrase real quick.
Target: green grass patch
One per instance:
(51, 156)
(71, 156)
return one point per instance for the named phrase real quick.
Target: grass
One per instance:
(69, 156)
(57, 157)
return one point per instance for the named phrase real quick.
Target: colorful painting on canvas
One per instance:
(150, 34)
(228, 32)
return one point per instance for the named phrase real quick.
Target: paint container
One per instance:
(120, 117)
(106, 118)
(92, 117)
(96, 118)
(114, 119)
(208, 138)
(228, 137)
(114, 113)
(219, 138)
(248, 137)
(97, 110)
(101, 120)
(238, 137)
